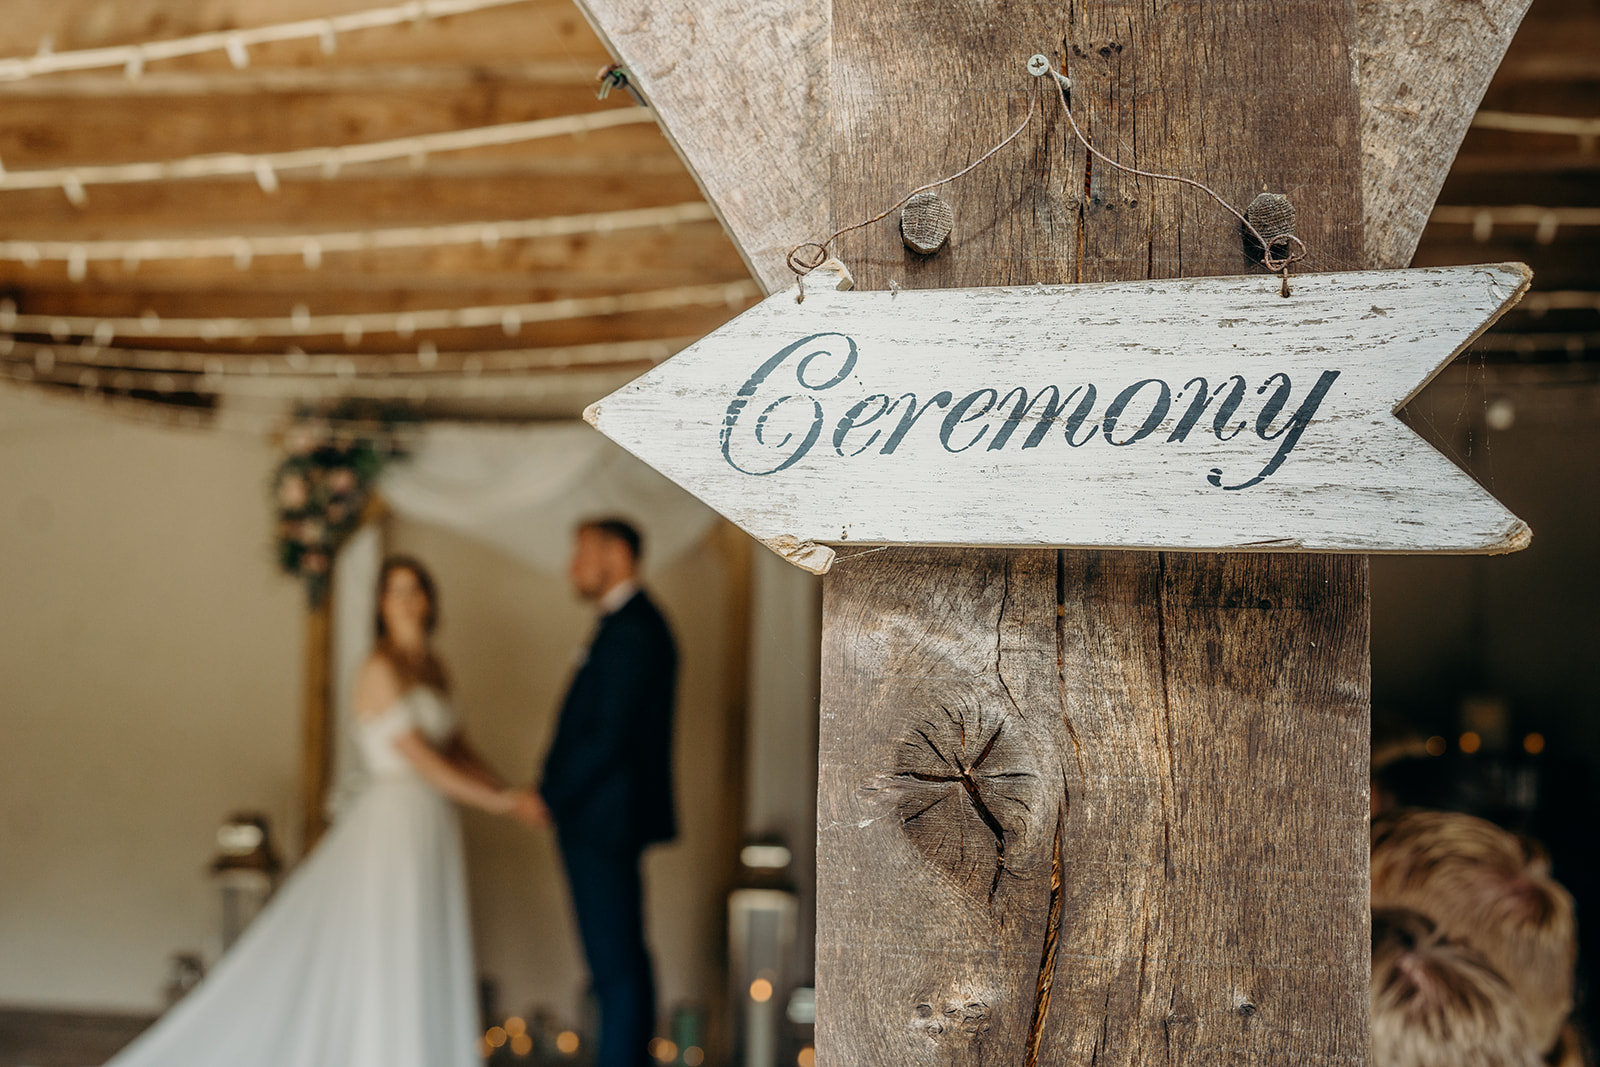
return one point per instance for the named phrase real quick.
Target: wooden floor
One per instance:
(31, 1038)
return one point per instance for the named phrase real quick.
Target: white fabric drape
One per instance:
(355, 579)
(523, 489)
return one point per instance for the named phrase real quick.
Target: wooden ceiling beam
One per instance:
(521, 62)
(610, 329)
(1569, 263)
(1470, 184)
(1582, 65)
(198, 305)
(525, 30)
(45, 133)
(341, 364)
(230, 292)
(1555, 165)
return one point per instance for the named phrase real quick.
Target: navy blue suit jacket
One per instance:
(608, 775)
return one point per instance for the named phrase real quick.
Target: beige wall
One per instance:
(150, 666)
(149, 685)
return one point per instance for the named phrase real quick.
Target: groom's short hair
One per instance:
(620, 529)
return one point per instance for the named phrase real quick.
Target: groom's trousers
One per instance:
(608, 900)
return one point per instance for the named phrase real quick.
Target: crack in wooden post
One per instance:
(1047, 958)
(1215, 753)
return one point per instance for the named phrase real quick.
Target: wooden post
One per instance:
(1093, 807)
(316, 730)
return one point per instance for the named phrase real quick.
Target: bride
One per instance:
(364, 957)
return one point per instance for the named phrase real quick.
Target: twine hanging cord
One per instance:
(807, 257)
(802, 261)
(1294, 249)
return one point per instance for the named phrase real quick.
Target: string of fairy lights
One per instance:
(107, 354)
(1586, 130)
(478, 374)
(300, 322)
(244, 249)
(328, 161)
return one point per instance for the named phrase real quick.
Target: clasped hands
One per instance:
(528, 808)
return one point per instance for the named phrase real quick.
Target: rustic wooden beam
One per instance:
(1088, 807)
(741, 89)
(558, 183)
(578, 265)
(53, 132)
(537, 29)
(316, 726)
(1424, 68)
(257, 81)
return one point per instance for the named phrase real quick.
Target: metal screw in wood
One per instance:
(925, 223)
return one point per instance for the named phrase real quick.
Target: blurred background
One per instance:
(414, 246)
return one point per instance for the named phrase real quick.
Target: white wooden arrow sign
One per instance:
(1209, 414)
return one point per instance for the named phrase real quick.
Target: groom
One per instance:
(608, 781)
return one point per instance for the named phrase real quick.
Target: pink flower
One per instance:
(311, 532)
(342, 480)
(292, 492)
(313, 563)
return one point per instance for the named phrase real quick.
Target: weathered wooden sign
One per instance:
(1200, 414)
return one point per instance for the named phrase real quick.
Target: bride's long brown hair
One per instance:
(431, 670)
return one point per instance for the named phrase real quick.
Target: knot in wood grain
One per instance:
(1103, 47)
(925, 223)
(967, 795)
(957, 1017)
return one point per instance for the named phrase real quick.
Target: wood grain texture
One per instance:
(1194, 414)
(741, 88)
(1195, 725)
(1141, 729)
(1425, 65)
(929, 939)
(1419, 64)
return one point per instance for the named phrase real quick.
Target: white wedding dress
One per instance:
(364, 956)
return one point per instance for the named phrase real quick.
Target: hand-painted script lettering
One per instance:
(800, 379)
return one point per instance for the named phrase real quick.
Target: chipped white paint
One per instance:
(1207, 414)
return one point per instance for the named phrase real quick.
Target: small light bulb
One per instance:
(266, 177)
